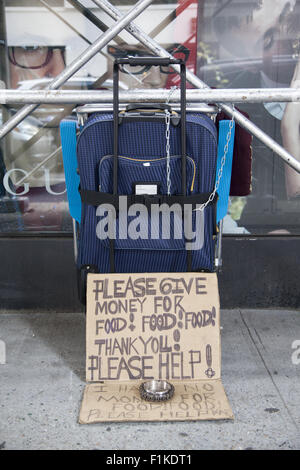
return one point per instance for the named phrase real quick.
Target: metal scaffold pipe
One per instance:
(255, 95)
(79, 62)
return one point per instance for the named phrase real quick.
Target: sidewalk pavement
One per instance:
(42, 382)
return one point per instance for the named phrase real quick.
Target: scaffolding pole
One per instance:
(239, 95)
(145, 95)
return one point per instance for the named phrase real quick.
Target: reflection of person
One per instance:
(254, 28)
(290, 124)
(44, 188)
(256, 45)
(143, 76)
(279, 42)
(290, 130)
(31, 62)
(26, 64)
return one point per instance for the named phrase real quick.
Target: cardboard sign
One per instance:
(153, 326)
(193, 400)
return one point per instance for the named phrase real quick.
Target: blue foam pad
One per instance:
(68, 142)
(224, 187)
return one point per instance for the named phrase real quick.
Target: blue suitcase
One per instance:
(124, 154)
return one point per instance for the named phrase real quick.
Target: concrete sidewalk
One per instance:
(42, 382)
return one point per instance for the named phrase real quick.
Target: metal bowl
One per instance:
(156, 390)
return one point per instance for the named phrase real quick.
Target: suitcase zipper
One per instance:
(206, 122)
(152, 160)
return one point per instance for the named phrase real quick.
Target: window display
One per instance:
(228, 44)
(256, 45)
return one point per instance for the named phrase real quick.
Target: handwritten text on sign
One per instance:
(152, 326)
(194, 400)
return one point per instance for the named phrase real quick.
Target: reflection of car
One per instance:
(48, 140)
(278, 68)
(25, 130)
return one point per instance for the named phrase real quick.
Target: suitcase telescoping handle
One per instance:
(154, 61)
(156, 106)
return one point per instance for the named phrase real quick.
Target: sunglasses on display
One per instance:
(33, 57)
(177, 50)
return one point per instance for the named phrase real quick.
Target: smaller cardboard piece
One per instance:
(193, 400)
(153, 326)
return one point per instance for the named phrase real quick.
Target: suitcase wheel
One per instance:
(82, 273)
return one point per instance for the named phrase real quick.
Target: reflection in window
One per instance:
(257, 47)
(240, 44)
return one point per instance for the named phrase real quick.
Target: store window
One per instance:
(256, 45)
(228, 44)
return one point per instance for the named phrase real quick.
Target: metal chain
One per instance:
(172, 89)
(168, 122)
(223, 160)
(220, 172)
